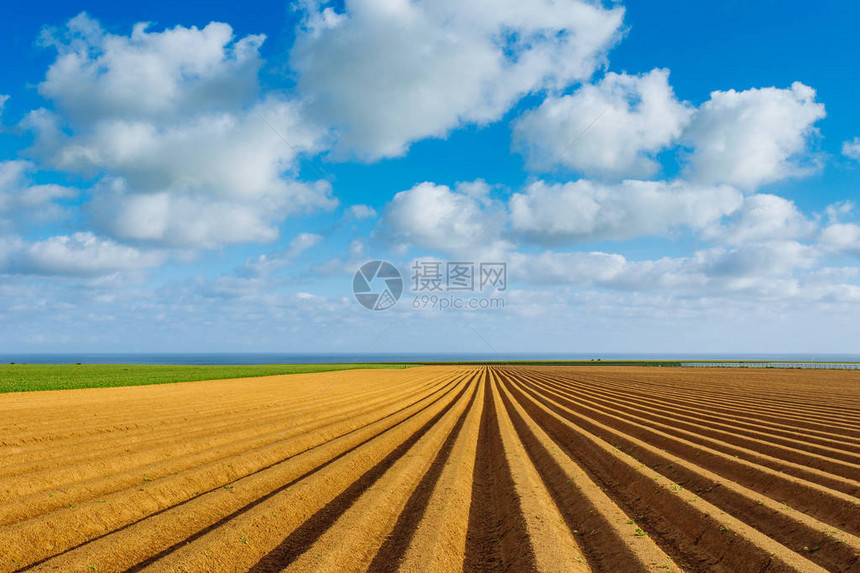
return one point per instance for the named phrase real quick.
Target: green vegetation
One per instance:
(32, 377)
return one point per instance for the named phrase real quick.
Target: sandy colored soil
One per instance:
(439, 468)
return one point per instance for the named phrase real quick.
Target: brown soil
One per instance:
(439, 469)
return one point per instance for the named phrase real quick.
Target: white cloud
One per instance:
(576, 268)
(765, 270)
(345, 265)
(838, 209)
(583, 210)
(434, 216)
(188, 156)
(80, 254)
(763, 217)
(391, 72)
(149, 75)
(186, 219)
(753, 137)
(303, 242)
(768, 259)
(231, 154)
(265, 264)
(3, 100)
(623, 121)
(363, 211)
(12, 175)
(23, 203)
(841, 237)
(851, 149)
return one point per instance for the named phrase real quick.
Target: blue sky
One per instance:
(657, 176)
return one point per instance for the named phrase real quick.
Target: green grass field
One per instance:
(32, 377)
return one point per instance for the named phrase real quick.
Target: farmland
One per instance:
(443, 468)
(35, 377)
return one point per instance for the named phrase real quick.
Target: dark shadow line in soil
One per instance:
(310, 531)
(495, 537)
(172, 548)
(394, 548)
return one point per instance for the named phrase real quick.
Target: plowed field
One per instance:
(438, 468)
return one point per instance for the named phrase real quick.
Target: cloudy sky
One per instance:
(658, 176)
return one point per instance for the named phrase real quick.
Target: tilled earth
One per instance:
(438, 468)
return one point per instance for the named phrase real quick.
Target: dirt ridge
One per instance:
(467, 468)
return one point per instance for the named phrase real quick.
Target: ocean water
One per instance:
(313, 358)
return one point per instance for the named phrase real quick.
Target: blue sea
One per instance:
(314, 358)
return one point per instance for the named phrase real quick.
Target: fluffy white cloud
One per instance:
(582, 210)
(231, 154)
(3, 100)
(621, 121)
(188, 156)
(22, 203)
(184, 219)
(762, 270)
(303, 242)
(767, 259)
(753, 137)
(390, 72)
(841, 237)
(851, 149)
(434, 216)
(437, 217)
(745, 138)
(211, 181)
(363, 211)
(165, 74)
(80, 254)
(11, 177)
(763, 217)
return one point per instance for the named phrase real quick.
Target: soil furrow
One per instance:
(828, 505)
(444, 468)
